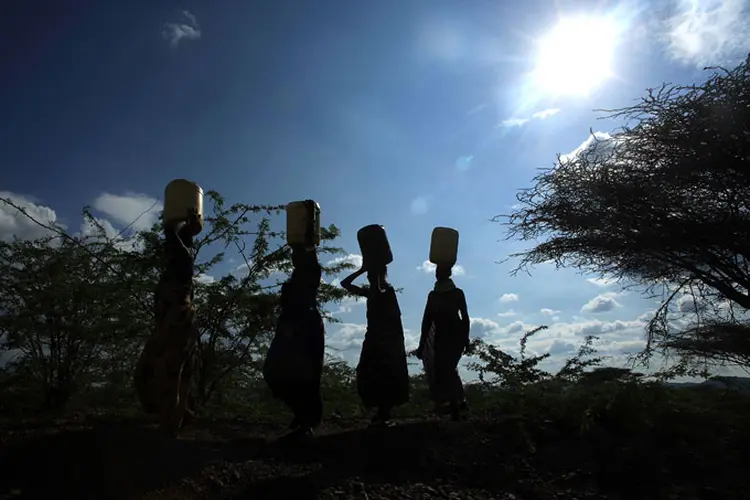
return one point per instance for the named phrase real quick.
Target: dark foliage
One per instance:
(664, 202)
(77, 310)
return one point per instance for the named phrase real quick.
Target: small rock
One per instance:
(357, 487)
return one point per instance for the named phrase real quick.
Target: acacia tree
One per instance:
(63, 313)
(87, 321)
(505, 369)
(664, 202)
(513, 373)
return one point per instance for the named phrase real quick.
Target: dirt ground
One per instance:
(106, 458)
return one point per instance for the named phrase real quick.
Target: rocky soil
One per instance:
(482, 458)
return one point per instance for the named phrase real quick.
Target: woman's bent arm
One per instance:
(465, 321)
(350, 287)
(426, 323)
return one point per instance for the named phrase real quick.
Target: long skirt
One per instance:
(382, 373)
(440, 363)
(294, 365)
(165, 369)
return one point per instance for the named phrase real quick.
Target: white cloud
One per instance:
(597, 327)
(186, 29)
(506, 314)
(483, 327)
(688, 303)
(352, 258)
(509, 297)
(602, 282)
(137, 210)
(514, 122)
(98, 227)
(702, 32)
(429, 267)
(539, 115)
(14, 223)
(495, 332)
(545, 113)
(598, 143)
(348, 304)
(617, 338)
(122, 209)
(241, 270)
(612, 330)
(517, 328)
(426, 267)
(205, 278)
(605, 302)
(548, 312)
(346, 337)
(559, 347)
(411, 339)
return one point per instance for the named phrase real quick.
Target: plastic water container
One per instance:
(373, 243)
(303, 223)
(444, 246)
(182, 196)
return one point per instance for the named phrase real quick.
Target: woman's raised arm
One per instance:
(347, 284)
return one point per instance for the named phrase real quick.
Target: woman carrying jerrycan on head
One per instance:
(382, 374)
(294, 363)
(165, 368)
(445, 327)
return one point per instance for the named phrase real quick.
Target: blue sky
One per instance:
(408, 114)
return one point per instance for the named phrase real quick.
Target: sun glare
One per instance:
(575, 56)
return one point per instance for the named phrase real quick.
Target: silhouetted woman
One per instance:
(294, 363)
(444, 338)
(164, 371)
(382, 375)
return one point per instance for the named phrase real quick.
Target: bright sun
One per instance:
(575, 56)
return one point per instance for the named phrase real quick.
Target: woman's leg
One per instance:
(312, 399)
(449, 385)
(300, 406)
(310, 413)
(456, 397)
(307, 400)
(443, 377)
(382, 415)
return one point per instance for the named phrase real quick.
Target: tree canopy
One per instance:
(664, 201)
(76, 310)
